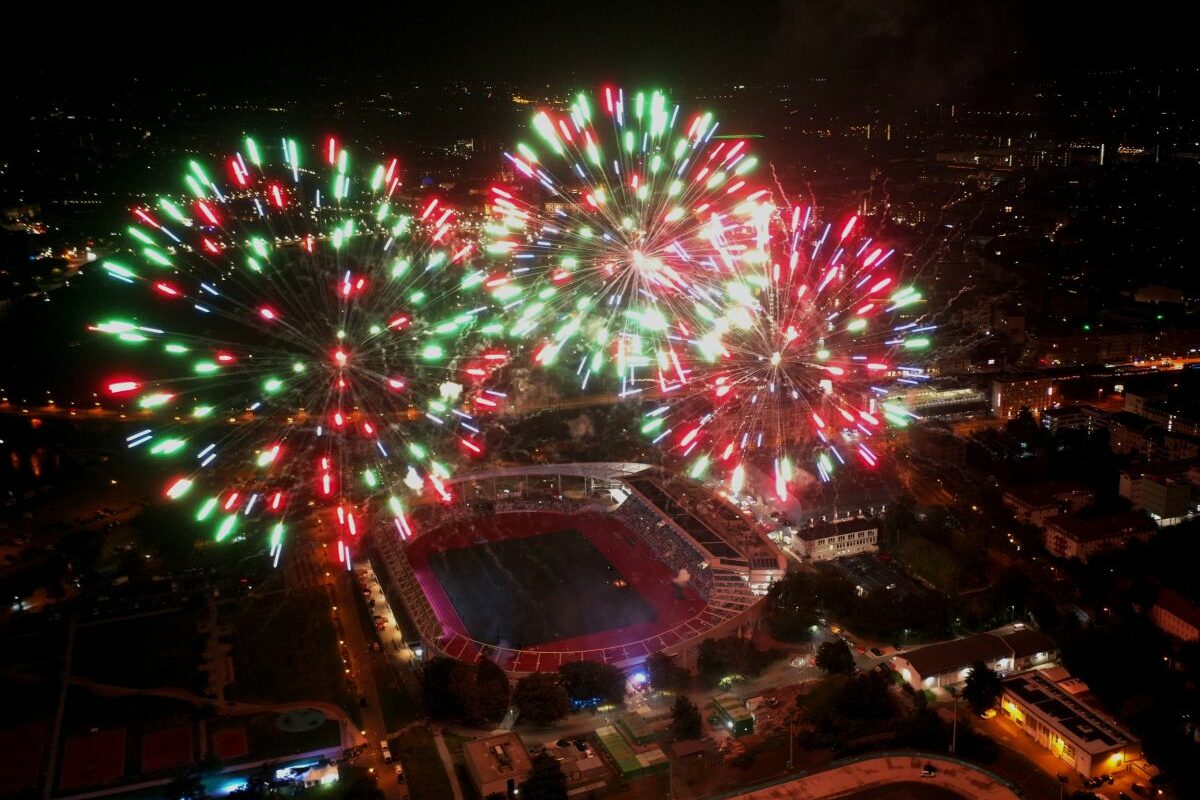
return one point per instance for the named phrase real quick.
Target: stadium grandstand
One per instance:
(542, 565)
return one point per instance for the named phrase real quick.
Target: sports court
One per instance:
(93, 759)
(548, 580)
(167, 748)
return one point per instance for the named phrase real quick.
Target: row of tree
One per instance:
(481, 693)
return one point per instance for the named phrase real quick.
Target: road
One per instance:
(962, 779)
(358, 651)
(1005, 732)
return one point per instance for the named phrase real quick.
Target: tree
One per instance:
(186, 786)
(866, 697)
(492, 691)
(734, 656)
(546, 780)
(983, 687)
(685, 719)
(449, 688)
(667, 676)
(837, 594)
(592, 683)
(834, 658)
(541, 699)
(361, 786)
(933, 562)
(791, 607)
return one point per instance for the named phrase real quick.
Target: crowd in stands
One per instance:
(649, 523)
(429, 606)
(642, 518)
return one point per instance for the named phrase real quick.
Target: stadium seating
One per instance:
(723, 585)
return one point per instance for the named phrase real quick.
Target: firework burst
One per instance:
(785, 372)
(611, 251)
(304, 341)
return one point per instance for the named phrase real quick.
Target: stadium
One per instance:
(537, 566)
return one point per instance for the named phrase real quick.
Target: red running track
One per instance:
(624, 549)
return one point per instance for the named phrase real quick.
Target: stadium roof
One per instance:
(590, 469)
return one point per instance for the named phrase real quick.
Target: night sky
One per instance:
(914, 51)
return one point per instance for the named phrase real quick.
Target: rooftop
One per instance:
(1174, 603)
(1090, 529)
(498, 757)
(732, 707)
(1043, 495)
(1028, 642)
(823, 530)
(1069, 411)
(958, 654)
(1083, 725)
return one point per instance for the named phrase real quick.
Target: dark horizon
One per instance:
(916, 52)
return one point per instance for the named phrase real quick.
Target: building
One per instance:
(1083, 537)
(1083, 418)
(936, 399)
(1130, 433)
(1033, 505)
(1072, 730)
(497, 764)
(1010, 395)
(1165, 496)
(1175, 615)
(1173, 416)
(733, 714)
(947, 663)
(584, 769)
(823, 541)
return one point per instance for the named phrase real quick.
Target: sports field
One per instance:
(548, 581)
(537, 589)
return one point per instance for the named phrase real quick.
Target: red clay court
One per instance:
(230, 743)
(93, 759)
(570, 586)
(22, 748)
(167, 748)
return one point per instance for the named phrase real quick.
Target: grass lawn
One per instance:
(417, 751)
(266, 740)
(455, 742)
(397, 706)
(144, 652)
(285, 648)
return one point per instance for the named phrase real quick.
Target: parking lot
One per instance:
(871, 573)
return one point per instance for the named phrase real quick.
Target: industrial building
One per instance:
(1069, 728)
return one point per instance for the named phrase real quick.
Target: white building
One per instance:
(947, 663)
(827, 540)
